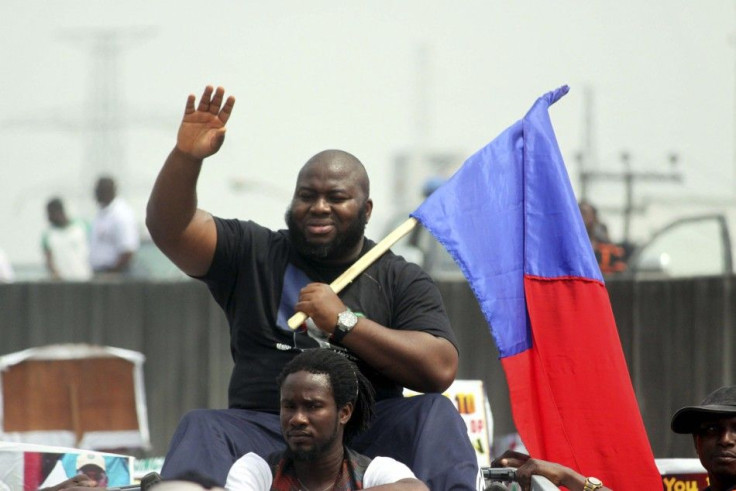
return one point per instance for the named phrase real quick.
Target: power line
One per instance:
(630, 178)
(104, 115)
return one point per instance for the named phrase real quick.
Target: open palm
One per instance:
(202, 130)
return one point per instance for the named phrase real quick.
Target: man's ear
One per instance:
(368, 208)
(345, 413)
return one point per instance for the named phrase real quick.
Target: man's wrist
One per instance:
(346, 321)
(592, 483)
(186, 156)
(572, 480)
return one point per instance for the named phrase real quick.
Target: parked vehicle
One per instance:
(692, 246)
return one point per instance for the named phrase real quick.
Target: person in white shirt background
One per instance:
(7, 275)
(115, 237)
(66, 245)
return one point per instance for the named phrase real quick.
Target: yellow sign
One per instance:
(469, 398)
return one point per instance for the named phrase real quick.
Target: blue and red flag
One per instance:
(510, 219)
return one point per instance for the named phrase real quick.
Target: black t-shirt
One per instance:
(256, 276)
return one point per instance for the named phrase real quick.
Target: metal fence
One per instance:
(677, 337)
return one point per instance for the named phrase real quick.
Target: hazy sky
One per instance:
(375, 78)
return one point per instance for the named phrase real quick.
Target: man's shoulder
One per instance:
(399, 266)
(77, 224)
(245, 245)
(118, 209)
(249, 472)
(385, 462)
(235, 226)
(358, 457)
(386, 470)
(274, 458)
(119, 204)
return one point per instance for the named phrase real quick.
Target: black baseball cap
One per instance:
(719, 402)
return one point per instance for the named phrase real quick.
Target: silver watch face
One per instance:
(346, 320)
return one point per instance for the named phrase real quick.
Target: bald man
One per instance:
(390, 320)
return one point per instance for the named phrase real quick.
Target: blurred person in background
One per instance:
(597, 230)
(65, 245)
(6, 269)
(115, 237)
(611, 257)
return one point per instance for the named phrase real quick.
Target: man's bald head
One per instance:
(346, 163)
(330, 207)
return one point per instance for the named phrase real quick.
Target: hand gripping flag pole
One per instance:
(361, 264)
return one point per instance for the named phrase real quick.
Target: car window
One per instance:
(690, 247)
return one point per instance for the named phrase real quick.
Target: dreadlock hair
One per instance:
(348, 384)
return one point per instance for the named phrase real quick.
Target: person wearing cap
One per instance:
(93, 466)
(713, 427)
(91, 473)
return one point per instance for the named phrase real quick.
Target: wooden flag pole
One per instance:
(361, 264)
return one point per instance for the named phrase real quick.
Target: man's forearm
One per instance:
(417, 360)
(50, 265)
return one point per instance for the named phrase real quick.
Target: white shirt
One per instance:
(251, 472)
(69, 248)
(114, 232)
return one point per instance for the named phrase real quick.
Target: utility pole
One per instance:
(588, 168)
(105, 114)
(104, 118)
(587, 157)
(409, 166)
(629, 178)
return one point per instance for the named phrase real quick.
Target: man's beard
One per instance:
(312, 454)
(342, 243)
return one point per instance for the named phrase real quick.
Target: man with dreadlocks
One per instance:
(325, 401)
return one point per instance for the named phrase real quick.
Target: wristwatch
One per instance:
(345, 323)
(592, 483)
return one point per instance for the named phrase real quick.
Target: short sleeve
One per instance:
(127, 228)
(419, 305)
(385, 470)
(249, 472)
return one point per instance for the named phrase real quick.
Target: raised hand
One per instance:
(202, 130)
